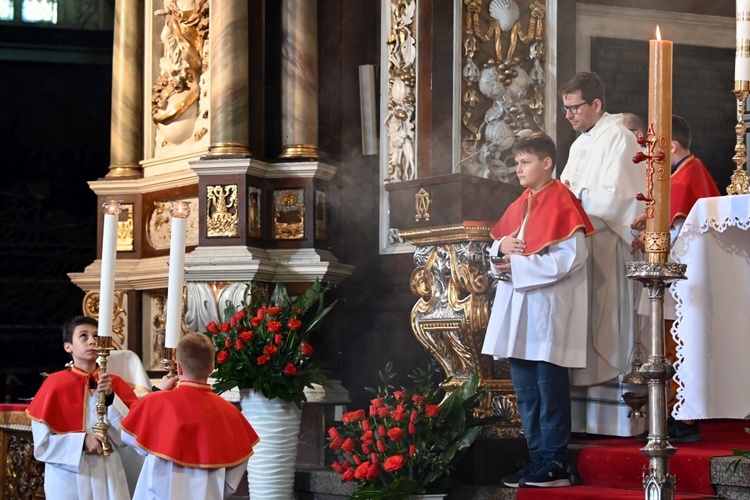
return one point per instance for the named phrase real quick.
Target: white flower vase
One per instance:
(270, 470)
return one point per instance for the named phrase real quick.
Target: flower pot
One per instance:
(271, 468)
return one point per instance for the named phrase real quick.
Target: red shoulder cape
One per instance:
(60, 401)
(191, 426)
(690, 182)
(555, 215)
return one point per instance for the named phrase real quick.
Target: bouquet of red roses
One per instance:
(263, 345)
(409, 440)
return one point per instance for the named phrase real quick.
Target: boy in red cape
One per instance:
(63, 413)
(196, 443)
(539, 316)
(690, 182)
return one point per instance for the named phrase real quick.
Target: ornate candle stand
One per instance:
(654, 274)
(104, 345)
(739, 181)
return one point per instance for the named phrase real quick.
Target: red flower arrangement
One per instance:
(409, 440)
(263, 345)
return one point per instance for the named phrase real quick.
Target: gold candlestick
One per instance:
(739, 181)
(104, 345)
(169, 361)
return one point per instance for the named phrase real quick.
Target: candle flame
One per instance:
(658, 33)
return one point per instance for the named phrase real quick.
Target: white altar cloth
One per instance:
(712, 329)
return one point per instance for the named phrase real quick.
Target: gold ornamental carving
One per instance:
(91, 309)
(422, 201)
(656, 242)
(221, 211)
(23, 474)
(288, 214)
(502, 83)
(450, 320)
(125, 229)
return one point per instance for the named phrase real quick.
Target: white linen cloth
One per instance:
(711, 330)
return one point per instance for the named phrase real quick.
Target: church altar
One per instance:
(712, 311)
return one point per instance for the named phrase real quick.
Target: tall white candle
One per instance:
(742, 57)
(180, 211)
(111, 210)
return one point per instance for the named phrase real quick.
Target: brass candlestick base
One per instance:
(169, 362)
(100, 428)
(739, 181)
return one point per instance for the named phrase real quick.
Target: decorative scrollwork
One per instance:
(24, 476)
(221, 206)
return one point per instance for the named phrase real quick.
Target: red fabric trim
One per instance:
(60, 401)
(555, 215)
(191, 426)
(690, 182)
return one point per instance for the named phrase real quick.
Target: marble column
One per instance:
(299, 79)
(230, 92)
(126, 130)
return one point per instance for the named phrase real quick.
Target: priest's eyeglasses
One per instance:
(573, 108)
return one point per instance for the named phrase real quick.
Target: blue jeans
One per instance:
(543, 399)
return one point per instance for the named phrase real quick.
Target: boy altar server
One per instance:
(196, 444)
(539, 316)
(63, 414)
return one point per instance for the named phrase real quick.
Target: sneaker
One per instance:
(511, 481)
(551, 474)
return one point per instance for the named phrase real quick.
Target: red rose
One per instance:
(227, 342)
(432, 410)
(263, 359)
(365, 425)
(394, 463)
(294, 324)
(374, 458)
(278, 339)
(377, 402)
(399, 395)
(270, 349)
(353, 416)
(361, 472)
(233, 322)
(336, 443)
(337, 467)
(398, 414)
(261, 313)
(381, 446)
(333, 432)
(356, 459)
(273, 311)
(348, 445)
(373, 411)
(238, 344)
(412, 428)
(395, 433)
(222, 357)
(213, 327)
(384, 411)
(418, 400)
(381, 431)
(348, 476)
(306, 348)
(368, 437)
(246, 336)
(366, 449)
(414, 416)
(412, 450)
(255, 321)
(290, 369)
(372, 471)
(273, 326)
(225, 327)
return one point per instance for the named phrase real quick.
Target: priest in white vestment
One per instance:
(601, 173)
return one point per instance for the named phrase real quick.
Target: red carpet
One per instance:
(614, 467)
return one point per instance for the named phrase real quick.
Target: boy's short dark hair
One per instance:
(539, 144)
(72, 323)
(681, 132)
(195, 352)
(589, 84)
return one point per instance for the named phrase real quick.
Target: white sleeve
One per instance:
(233, 477)
(129, 440)
(61, 450)
(542, 269)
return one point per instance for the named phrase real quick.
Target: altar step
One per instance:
(610, 468)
